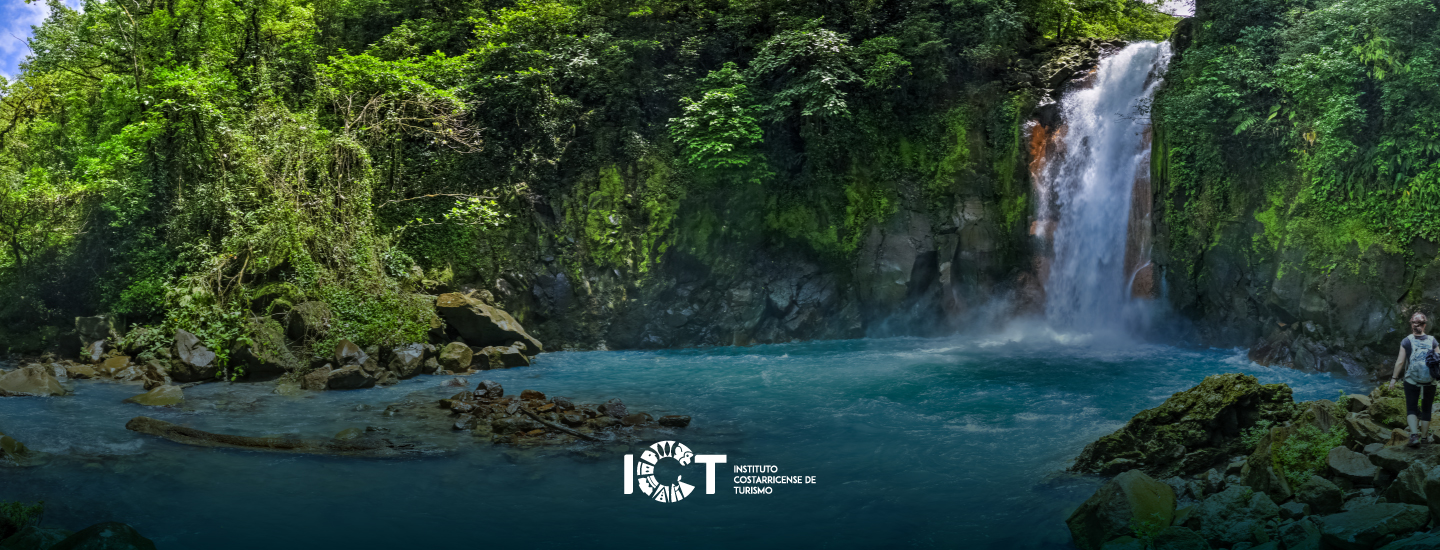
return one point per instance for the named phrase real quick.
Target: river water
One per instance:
(955, 442)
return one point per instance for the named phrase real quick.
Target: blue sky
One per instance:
(16, 17)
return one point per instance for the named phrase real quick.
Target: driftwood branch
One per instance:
(557, 427)
(200, 438)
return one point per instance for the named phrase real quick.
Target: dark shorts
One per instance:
(1424, 396)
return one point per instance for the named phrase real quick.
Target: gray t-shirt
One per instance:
(1415, 351)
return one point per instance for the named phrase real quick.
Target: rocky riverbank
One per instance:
(1235, 464)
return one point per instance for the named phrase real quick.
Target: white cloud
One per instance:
(16, 18)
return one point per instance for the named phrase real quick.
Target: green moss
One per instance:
(1304, 453)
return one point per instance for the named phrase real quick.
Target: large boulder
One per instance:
(195, 362)
(1350, 465)
(35, 538)
(1388, 412)
(1322, 495)
(1364, 431)
(1237, 514)
(1192, 430)
(1361, 528)
(163, 396)
(1417, 541)
(267, 354)
(1131, 498)
(1259, 471)
(352, 377)
(1408, 487)
(408, 361)
(456, 357)
(97, 328)
(347, 353)
(1303, 534)
(308, 321)
(483, 325)
(105, 536)
(31, 380)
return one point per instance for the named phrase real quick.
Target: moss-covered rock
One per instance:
(1192, 430)
(1130, 502)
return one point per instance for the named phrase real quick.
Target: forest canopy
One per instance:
(203, 165)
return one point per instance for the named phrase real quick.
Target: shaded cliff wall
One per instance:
(1293, 187)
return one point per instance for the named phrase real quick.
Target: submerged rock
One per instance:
(163, 396)
(1191, 431)
(675, 421)
(1129, 499)
(105, 536)
(32, 380)
(35, 538)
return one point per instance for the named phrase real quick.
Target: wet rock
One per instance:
(489, 389)
(1361, 529)
(1322, 495)
(94, 351)
(563, 403)
(514, 424)
(80, 372)
(573, 420)
(507, 356)
(1350, 465)
(1237, 514)
(266, 354)
(112, 366)
(33, 380)
(105, 536)
(317, 380)
(1191, 430)
(466, 422)
(14, 452)
(348, 434)
(196, 362)
(408, 361)
(613, 408)
(35, 538)
(635, 419)
(347, 353)
(1127, 500)
(163, 396)
(675, 421)
(532, 395)
(1259, 472)
(455, 357)
(483, 325)
(353, 377)
(603, 422)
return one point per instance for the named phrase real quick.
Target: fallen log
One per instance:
(200, 438)
(555, 426)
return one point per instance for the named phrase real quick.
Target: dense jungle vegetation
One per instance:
(1318, 118)
(208, 165)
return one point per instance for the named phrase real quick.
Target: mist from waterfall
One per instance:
(1100, 152)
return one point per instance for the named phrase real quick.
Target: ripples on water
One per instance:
(957, 442)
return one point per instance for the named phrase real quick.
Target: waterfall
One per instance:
(1093, 166)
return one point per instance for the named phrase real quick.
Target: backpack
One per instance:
(1432, 362)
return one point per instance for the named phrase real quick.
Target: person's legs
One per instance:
(1427, 404)
(1412, 407)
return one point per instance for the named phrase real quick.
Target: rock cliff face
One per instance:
(933, 265)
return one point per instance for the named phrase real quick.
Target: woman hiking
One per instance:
(1419, 386)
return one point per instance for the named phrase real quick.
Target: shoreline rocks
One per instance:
(1362, 494)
